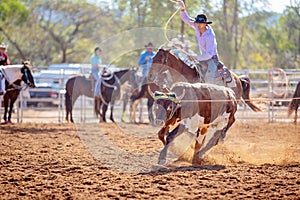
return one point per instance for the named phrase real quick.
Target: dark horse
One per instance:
(13, 89)
(294, 104)
(144, 93)
(110, 90)
(164, 60)
(80, 85)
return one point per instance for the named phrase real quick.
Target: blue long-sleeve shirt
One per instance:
(206, 42)
(143, 56)
(144, 63)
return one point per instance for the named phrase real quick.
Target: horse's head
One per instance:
(26, 74)
(160, 63)
(133, 77)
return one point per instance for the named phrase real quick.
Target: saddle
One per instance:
(224, 72)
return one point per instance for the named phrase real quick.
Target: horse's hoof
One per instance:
(7, 122)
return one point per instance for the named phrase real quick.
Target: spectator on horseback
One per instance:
(96, 63)
(176, 46)
(145, 59)
(4, 60)
(206, 42)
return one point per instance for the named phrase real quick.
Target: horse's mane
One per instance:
(168, 50)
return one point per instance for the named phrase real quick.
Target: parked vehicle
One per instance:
(43, 95)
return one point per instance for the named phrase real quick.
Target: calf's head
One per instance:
(166, 105)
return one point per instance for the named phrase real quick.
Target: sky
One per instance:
(278, 5)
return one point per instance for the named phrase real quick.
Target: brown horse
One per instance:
(13, 88)
(75, 87)
(294, 104)
(164, 60)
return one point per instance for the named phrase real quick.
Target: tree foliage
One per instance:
(248, 35)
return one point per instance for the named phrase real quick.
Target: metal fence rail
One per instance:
(274, 108)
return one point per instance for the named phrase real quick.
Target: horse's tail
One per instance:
(97, 107)
(245, 81)
(294, 104)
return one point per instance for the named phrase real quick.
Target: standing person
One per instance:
(96, 63)
(145, 59)
(4, 60)
(207, 44)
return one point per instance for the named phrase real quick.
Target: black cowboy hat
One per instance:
(202, 19)
(97, 48)
(149, 44)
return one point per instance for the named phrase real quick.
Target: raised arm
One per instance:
(184, 15)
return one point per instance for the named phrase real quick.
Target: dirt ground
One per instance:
(118, 161)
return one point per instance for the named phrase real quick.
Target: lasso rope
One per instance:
(166, 25)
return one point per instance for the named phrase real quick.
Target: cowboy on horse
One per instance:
(207, 44)
(4, 60)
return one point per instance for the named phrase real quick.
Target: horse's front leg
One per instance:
(133, 108)
(125, 101)
(170, 137)
(112, 111)
(150, 113)
(104, 109)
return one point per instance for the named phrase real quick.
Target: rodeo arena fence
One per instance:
(271, 90)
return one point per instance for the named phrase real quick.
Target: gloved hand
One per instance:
(181, 4)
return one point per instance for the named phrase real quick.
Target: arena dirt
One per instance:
(54, 161)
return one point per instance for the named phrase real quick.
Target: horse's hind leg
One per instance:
(10, 110)
(6, 100)
(295, 117)
(71, 115)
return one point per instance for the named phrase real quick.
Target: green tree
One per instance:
(12, 15)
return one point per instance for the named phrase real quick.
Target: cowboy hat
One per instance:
(175, 42)
(201, 19)
(149, 44)
(2, 46)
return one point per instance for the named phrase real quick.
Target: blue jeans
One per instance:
(145, 69)
(211, 73)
